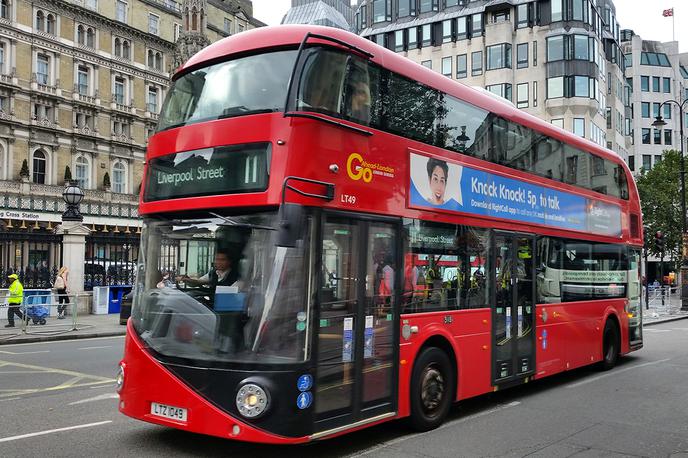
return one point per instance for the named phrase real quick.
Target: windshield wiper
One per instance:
(241, 110)
(230, 222)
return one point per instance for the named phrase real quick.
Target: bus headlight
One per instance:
(252, 400)
(119, 380)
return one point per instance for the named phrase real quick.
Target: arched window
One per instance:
(125, 49)
(51, 24)
(158, 61)
(80, 35)
(40, 20)
(5, 9)
(90, 37)
(194, 22)
(119, 178)
(118, 53)
(83, 172)
(151, 59)
(39, 166)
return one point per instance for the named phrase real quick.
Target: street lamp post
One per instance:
(659, 123)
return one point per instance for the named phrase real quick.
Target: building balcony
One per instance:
(123, 107)
(6, 116)
(122, 138)
(44, 122)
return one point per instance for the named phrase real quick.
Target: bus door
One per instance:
(356, 337)
(513, 311)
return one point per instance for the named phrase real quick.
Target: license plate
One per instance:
(165, 411)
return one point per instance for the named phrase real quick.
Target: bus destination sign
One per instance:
(210, 171)
(435, 183)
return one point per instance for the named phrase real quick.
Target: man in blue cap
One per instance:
(14, 300)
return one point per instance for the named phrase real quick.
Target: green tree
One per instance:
(24, 171)
(67, 175)
(660, 197)
(106, 180)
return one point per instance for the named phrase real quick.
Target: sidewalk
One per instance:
(88, 326)
(658, 313)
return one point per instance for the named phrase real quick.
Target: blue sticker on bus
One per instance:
(544, 339)
(456, 187)
(304, 400)
(305, 382)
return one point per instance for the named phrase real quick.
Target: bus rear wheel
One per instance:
(432, 389)
(610, 346)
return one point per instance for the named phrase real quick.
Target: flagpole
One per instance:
(673, 25)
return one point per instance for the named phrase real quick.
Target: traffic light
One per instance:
(659, 241)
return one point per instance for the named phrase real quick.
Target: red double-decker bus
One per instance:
(335, 237)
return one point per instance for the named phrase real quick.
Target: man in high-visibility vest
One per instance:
(14, 300)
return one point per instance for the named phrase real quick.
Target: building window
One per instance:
(178, 31)
(5, 9)
(153, 21)
(82, 80)
(82, 172)
(228, 26)
(500, 16)
(426, 34)
(405, 8)
(645, 109)
(557, 10)
(477, 63)
(657, 136)
(40, 21)
(522, 95)
(646, 136)
(667, 85)
(152, 105)
(81, 35)
(555, 48)
(447, 66)
(579, 127)
(535, 93)
(645, 83)
(2, 57)
(92, 4)
(398, 40)
(426, 5)
(42, 64)
(413, 38)
(655, 84)
(499, 56)
(559, 122)
(39, 167)
(119, 178)
(555, 87)
(90, 38)
(461, 66)
(522, 15)
(647, 160)
(427, 63)
(447, 31)
(121, 11)
(655, 109)
(522, 55)
(581, 86)
(667, 111)
(631, 163)
(502, 90)
(50, 24)
(667, 137)
(119, 90)
(155, 59)
(476, 24)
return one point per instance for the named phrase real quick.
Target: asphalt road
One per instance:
(638, 409)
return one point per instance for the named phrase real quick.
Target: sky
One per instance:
(642, 16)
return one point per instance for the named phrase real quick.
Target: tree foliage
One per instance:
(106, 180)
(660, 197)
(67, 175)
(24, 171)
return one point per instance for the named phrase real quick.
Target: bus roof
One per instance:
(292, 35)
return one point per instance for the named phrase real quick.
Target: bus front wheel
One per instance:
(610, 346)
(432, 389)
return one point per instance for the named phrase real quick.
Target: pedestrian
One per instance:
(14, 300)
(60, 285)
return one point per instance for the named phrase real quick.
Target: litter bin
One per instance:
(116, 294)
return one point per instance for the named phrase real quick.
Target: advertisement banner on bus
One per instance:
(440, 184)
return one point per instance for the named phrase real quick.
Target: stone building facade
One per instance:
(81, 86)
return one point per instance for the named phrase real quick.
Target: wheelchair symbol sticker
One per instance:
(305, 382)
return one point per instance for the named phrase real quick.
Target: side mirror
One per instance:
(291, 220)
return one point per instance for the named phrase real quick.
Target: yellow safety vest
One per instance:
(16, 293)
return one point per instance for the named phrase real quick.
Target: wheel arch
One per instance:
(443, 343)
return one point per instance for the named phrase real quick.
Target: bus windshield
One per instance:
(248, 85)
(219, 289)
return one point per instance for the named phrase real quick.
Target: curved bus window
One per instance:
(248, 85)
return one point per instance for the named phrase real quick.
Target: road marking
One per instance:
(57, 342)
(51, 431)
(594, 379)
(398, 440)
(96, 398)
(23, 352)
(657, 330)
(94, 348)
(9, 399)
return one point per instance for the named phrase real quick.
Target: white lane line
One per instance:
(96, 398)
(398, 440)
(657, 330)
(51, 431)
(609, 374)
(9, 399)
(23, 352)
(94, 348)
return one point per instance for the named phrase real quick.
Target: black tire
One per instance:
(43, 321)
(611, 344)
(432, 389)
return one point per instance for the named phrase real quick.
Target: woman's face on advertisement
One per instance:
(438, 183)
